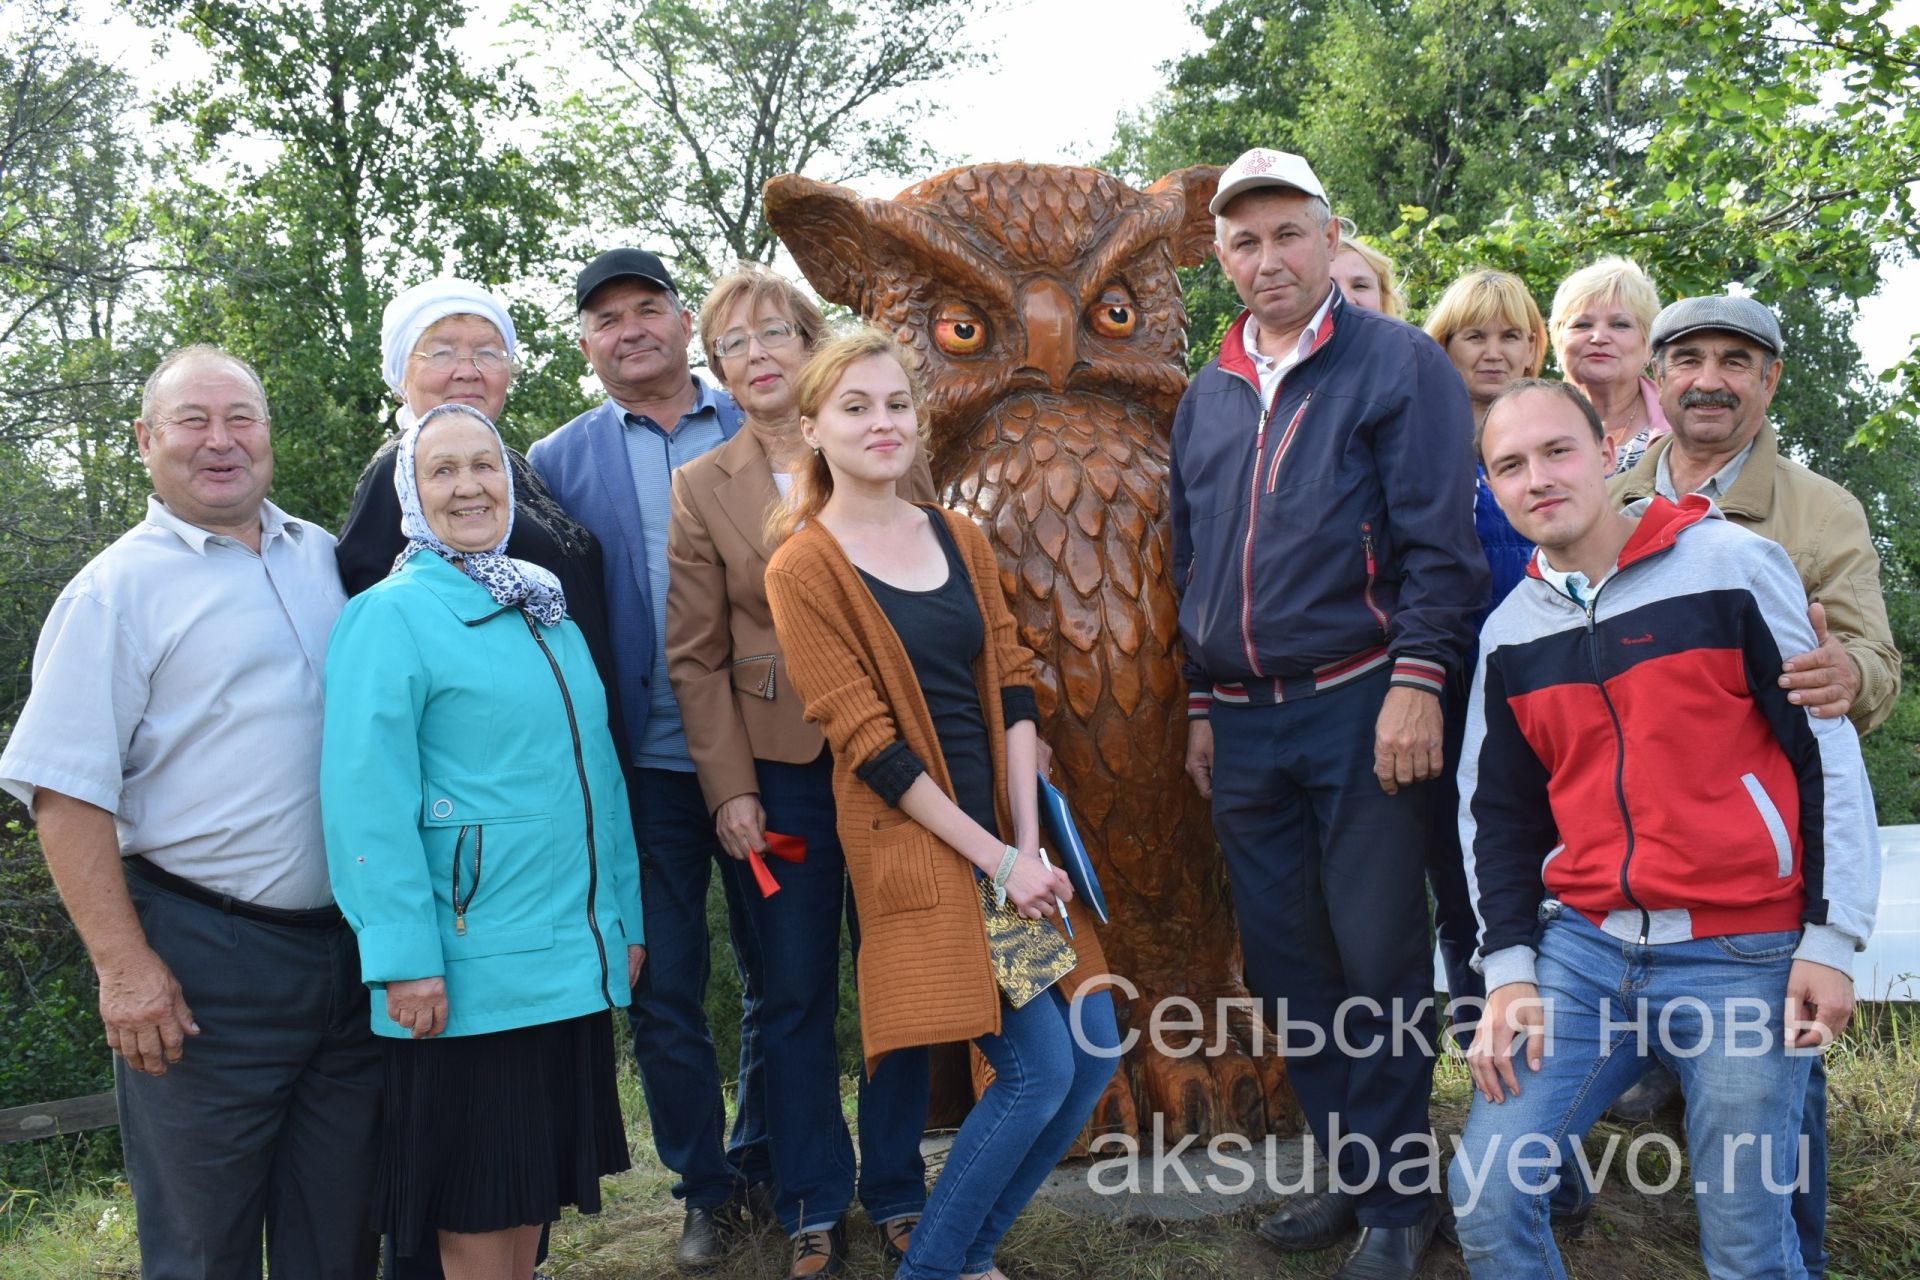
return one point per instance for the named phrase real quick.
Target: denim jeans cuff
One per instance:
(887, 1213)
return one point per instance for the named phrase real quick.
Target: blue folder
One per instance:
(1063, 837)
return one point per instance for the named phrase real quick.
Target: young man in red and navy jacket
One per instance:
(1667, 856)
(1322, 507)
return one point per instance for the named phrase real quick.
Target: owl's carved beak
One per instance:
(1052, 319)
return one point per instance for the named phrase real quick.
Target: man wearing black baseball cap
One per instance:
(1718, 361)
(616, 264)
(612, 469)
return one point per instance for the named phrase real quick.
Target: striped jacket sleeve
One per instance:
(1506, 829)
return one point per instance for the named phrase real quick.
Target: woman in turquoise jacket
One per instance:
(479, 843)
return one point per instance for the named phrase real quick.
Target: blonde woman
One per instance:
(765, 773)
(1490, 327)
(900, 641)
(1367, 276)
(1599, 324)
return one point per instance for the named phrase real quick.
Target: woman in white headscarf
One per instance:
(479, 843)
(449, 341)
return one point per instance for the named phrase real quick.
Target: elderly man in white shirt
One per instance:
(170, 755)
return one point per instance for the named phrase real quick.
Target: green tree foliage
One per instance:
(692, 105)
(339, 153)
(73, 250)
(72, 256)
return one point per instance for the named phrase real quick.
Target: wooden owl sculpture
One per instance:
(1044, 307)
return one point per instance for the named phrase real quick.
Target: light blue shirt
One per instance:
(177, 685)
(653, 454)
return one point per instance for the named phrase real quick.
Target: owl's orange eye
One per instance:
(1113, 315)
(959, 330)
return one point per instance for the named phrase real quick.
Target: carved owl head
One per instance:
(1046, 281)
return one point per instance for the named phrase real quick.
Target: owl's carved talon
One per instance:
(1205, 1082)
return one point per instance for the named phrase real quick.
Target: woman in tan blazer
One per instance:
(767, 777)
(902, 645)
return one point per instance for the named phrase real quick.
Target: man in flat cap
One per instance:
(1718, 360)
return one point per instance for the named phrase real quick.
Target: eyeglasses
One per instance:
(772, 338)
(446, 359)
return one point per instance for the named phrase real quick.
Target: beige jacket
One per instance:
(1824, 531)
(723, 659)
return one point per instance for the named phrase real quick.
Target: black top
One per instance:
(543, 533)
(942, 632)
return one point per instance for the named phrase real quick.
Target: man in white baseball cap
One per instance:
(1263, 168)
(1322, 509)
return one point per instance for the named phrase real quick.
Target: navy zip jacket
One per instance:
(1330, 532)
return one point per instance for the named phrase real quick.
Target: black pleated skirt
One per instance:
(488, 1132)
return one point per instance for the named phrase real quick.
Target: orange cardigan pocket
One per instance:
(903, 859)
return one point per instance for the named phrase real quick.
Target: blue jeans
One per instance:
(796, 933)
(1046, 1080)
(1712, 1010)
(678, 1071)
(1810, 1201)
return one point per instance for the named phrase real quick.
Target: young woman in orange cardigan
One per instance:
(903, 650)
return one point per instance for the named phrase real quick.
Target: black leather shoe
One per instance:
(1308, 1223)
(1391, 1253)
(704, 1237)
(1656, 1093)
(1571, 1204)
(758, 1204)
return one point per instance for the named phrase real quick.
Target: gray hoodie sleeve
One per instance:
(1840, 845)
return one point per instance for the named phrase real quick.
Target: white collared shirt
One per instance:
(177, 685)
(1571, 583)
(1272, 370)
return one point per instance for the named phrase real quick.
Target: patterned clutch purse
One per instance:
(1028, 955)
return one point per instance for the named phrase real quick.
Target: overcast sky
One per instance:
(1064, 70)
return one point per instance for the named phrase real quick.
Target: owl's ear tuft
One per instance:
(1195, 186)
(848, 246)
(828, 231)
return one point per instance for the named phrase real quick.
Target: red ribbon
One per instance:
(784, 847)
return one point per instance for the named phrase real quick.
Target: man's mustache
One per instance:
(1709, 400)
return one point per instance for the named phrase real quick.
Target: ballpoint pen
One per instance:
(1059, 906)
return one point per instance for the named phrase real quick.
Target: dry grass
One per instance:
(1874, 1231)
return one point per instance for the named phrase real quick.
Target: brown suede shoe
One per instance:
(819, 1253)
(895, 1234)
